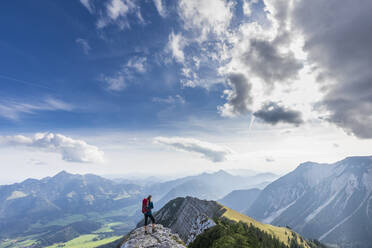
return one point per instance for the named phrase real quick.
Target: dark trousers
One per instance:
(147, 217)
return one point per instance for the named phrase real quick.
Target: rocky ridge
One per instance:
(188, 216)
(161, 238)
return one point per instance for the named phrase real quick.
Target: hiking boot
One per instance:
(153, 230)
(146, 232)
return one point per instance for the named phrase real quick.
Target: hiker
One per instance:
(147, 205)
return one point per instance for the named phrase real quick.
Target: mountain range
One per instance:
(53, 209)
(210, 186)
(329, 202)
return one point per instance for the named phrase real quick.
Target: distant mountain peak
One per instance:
(222, 173)
(322, 200)
(63, 173)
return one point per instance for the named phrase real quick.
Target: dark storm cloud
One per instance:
(265, 61)
(272, 113)
(238, 98)
(338, 39)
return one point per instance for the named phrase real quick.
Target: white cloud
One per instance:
(84, 45)
(137, 63)
(117, 8)
(264, 50)
(206, 17)
(114, 83)
(170, 99)
(13, 110)
(176, 45)
(270, 55)
(72, 150)
(117, 12)
(119, 80)
(247, 6)
(87, 4)
(206, 27)
(160, 7)
(209, 151)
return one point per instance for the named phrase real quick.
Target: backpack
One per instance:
(144, 205)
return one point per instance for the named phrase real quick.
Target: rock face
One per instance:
(161, 238)
(329, 202)
(188, 216)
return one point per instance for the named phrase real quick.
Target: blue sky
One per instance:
(180, 87)
(43, 59)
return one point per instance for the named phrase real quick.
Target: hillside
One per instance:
(329, 202)
(189, 217)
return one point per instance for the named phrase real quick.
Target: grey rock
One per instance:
(161, 238)
(188, 216)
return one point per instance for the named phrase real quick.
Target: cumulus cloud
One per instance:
(160, 8)
(209, 151)
(260, 51)
(84, 45)
(72, 150)
(13, 110)
(340, 46)
(206, 17)
(264, 60)
(238, 97)
(273, 113)
(175, 45)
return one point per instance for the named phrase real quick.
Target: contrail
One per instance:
(25, 82)
(251, 123)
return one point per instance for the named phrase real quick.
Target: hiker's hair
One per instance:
(149, 197)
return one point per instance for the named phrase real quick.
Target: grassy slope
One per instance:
(86, 241)
(281, 233)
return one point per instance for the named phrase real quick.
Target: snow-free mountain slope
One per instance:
(329, 202)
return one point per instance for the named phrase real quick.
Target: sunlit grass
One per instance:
(281, 233)
(86, 241)
(107, 227)
(18, 242)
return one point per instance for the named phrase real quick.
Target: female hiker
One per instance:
(147, 205)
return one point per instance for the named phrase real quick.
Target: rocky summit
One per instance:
(161, 238)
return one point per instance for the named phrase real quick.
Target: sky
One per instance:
(158, 87)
